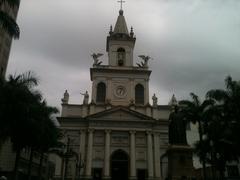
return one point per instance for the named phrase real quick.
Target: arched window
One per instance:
(121, 56)
(139, 94)
(101, 92)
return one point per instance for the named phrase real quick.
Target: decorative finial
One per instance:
(131, 33)
(110, 32)
(121, 12)
(121, 2)
(65, 98)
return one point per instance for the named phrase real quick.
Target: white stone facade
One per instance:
(122, 131)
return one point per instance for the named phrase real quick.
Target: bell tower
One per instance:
(120, 44)
(120, 82)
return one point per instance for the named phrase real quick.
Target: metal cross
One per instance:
(121, 1)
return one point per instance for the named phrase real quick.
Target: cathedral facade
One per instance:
(117, 134)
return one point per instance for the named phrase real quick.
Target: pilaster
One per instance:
(133, 155)
(107, 155)
(157, 169)
(82, 146)
(89, 154)
(150, 154)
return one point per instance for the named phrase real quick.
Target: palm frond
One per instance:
(186, 103)
(29, 78)
(217, 94)
(195, 99)
(9, 25)
(228, 82)
(207, 104)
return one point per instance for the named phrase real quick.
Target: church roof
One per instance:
(120, 113)
(121, 25)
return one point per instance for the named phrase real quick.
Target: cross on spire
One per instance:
(121, 2)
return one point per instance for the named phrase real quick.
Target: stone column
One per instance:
(89, 153)
(94, 87)
(150, 155)
(109, 89)
(132, 88)
(146, 100)
(107, 155)
(82, 147)
(133, 155)
(157, 156)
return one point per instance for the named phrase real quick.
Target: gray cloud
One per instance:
(194, 43)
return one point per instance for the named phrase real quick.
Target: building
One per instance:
(7, 163)
(118, 135)
(6, 41)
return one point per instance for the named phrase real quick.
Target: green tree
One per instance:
(18, 103)
(46, 133)
(24, 117)
(223, 128)
(196, 111)
(7, 22)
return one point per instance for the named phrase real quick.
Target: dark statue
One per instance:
(177, 128)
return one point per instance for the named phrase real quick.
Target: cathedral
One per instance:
(117, 134)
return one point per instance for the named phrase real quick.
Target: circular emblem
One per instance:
(120, 91)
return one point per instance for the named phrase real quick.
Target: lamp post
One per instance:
(79, 165)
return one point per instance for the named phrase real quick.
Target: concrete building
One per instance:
(6, 41)
(7, 163)
(117, 135)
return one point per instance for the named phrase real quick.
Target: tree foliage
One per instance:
(223, 128)
(196, 111)
(25, 118)
(219, 122)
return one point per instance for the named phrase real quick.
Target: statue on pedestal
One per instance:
(85, 98)
(65, 98)
(155, 100)
(96, 61)
(177, 128)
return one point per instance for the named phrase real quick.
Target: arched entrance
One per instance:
(119, 165)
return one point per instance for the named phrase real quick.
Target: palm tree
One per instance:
(229, 102)
(17, 97)
(196, 112)
(48, 133)
(18, 112)
(8, 23)
(24, 117)
(227, 121)
(19, 101)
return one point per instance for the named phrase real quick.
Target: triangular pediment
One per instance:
(120, 113)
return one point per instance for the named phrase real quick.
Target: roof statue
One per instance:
(155, 100)
(85, 97)
(177, 128)
(145, 59)
(173, 101)
(65, 98)
(95, 57)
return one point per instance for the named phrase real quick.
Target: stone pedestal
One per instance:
(180, 163)
(106, 178)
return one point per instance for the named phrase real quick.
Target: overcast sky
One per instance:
(195, 43)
